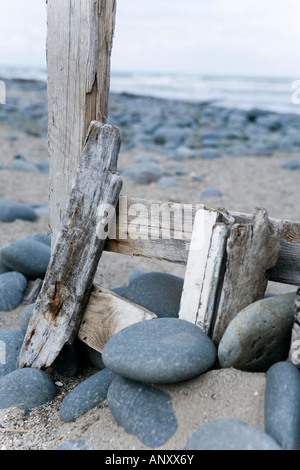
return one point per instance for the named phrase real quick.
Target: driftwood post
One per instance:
(79, 44)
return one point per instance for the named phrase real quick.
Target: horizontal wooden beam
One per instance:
(163, 231)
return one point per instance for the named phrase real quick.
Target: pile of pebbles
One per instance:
(138, 363)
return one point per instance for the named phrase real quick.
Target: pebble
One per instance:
(27, 256)
(282, 404)
(12, 288)
(291, 164)
(19, 163)
(163, 350)
(10, 345)
(10, 211)
(259, 335)
(75, 444)
(158, 292)
(211, 192)
(26, 388)
(3, 268)
(142, 410)
(230, 434)
(166, 182)
(85, 396)
(24, 317)
(210, 154)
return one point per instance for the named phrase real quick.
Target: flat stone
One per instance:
(291, 164)
(27, 256)
(12, 288)
(10, 345)
(158, 292)
(143, 411)
(259, 335)
(10, 211)
(26, 388)
(230, 434)
(163, 350)
(85, 396)
(211, 192)
(282, 404)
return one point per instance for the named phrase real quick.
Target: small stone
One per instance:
(24, 317)
(210, 154)
(75, 444)
(85, 396)
(211, 192)
(166, 182)
(28, 257)
(10, 211)
(230, 434)
(282, 404)
(12, 288)
(26, 388)
(10, 345)
(19, 163)
(42, 167)
(291, 164)
(144, 411)
(259, 335)
(169, 135)
(158, 292)
(163, 350)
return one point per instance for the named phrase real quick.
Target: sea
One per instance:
(277, 94)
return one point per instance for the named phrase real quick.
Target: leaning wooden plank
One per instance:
(66, 289)
(202, 262)
(106, 314)
(79, 44)
(286, 270)
(252, 249)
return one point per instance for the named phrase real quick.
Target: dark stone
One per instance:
(24, 317)
(12, 288)
(10, 345)
(66, 363)
(162, 350)
(143, 411)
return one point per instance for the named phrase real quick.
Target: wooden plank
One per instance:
(286, 271)
(66, 289)
(252, 250)
(206, 253)
(79, 43)
(106, 314)
(294, 352)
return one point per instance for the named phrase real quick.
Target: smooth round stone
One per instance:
(291, 164)
(158, 292)
(25, 316)
(282, 404)
(163, 350)
(211, 192)
(27, 256)
(85, 396)
(166, 182)
(26, 388)
(12, 288)
(10, 211)
(259, 335)
(19, 163)
(144, 411)
(230, 434)
(74, 444)
(10, 345)
(210, 154)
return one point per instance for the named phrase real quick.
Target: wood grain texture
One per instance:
(66, 289)
(79, 43)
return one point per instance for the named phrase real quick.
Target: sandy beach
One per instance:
(244, 183)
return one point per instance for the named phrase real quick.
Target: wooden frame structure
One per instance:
(217, 284)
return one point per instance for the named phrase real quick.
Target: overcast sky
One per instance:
(244, 37)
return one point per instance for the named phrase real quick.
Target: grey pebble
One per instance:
(12, 288)
(27, 256)
(162, 350)
(158, 292)
(230, 434)
(75, 444)
(11, 341)
(26, 388)
(211, 192)
(10, 211)
(166, 182)
(85, 396)
(291, 164)
(143, 411)
(282, 404)
(259, 335)
(24, 317)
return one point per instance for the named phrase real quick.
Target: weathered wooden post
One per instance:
(79, 44)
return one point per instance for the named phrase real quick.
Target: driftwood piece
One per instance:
(252, 250)
(65, 293)
(204, 269)
(106, 314)
(294, 352)
(174, 249)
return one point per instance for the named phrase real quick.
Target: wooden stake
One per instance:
(66, 289)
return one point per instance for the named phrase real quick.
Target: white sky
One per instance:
(244, 37)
